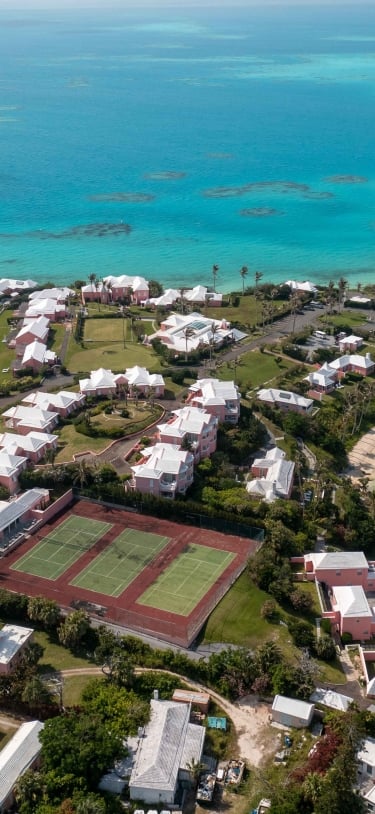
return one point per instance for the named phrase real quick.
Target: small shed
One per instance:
(291, 712)
(217, 723)
(201, 700)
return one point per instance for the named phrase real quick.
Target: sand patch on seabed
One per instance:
(362, 457)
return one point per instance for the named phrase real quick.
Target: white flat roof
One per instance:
(12, 637)
(10, 512)
(338, 560)
(366, 754)
(292, 706)
(18, 754)
(351, 601)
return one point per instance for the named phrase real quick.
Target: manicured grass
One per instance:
(57, 336)
(350, 318)
(182, 585)
(7, 356)
(237, 620)
(53, 555)
(73, 443)
(254, 369)
(115, 357)
(73, 688)
(248, 312)
(107, 330)
(56, 657)
(116, 567)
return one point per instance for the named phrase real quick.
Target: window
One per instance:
(368, 769)
(338, 573)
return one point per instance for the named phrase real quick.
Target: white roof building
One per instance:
(14, 510)
(187, 421)
(278, 482)
(11, 465)
(366, 754)
(99, 379)
(45, 307)
(37, 352)
(34, 417)
(325, 378)
(351, 601)
(350, 340)
(12, 639)
(65, 400)
(7, 284)
(337, 560)
(167, 299)
(365, 363)
(285, 398)
(136, 283)
(58, 294)
(19, 754)
(187, 332)
(360, 300)
(168, 464)
(170, 743)
(332, 699)
(210, 393)
(31, 443)
(271, 456)
(297, 285)
(292, 712)
(36, 327)
(140, 377)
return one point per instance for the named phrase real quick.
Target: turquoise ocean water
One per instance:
(236, 137)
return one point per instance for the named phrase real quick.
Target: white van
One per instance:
(320, 334)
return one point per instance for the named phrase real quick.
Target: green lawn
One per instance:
(121, 562)
(247, 313)
(115, 357)
(187, 579)
(237, 620)
(57, 335)
(56, 552)
(254, 369)
(73, 688)
(56, 657)
(350, 318)
(73, 443)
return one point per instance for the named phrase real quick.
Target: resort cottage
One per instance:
(164, 471)
(285, 400)
(18, 755)
(193, 427)
(14, 640)
(221, 399)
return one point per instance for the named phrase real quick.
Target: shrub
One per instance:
(346, 638)
(269, 610)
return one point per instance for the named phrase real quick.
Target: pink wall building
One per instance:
(164, 471)
(221, 399)
(341, 568)
(192, 426)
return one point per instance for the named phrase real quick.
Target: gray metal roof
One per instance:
(18, 755)
(12, 511)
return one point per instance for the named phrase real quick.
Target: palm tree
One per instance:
(215, 269)
(258, 277)
(195, 769)
(331, 295)
(188, 332)
(214, 329)
(244, 272)
(109, 287)
(342, 286)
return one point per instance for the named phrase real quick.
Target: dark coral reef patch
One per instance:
(347, 179)
(167, 175)
(85, 230)
(122, 197)
(277, 187)
(260, 212)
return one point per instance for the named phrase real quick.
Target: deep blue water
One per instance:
(173, 106)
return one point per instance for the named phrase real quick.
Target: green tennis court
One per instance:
(62, 547)
(183, 584)
(116, 567)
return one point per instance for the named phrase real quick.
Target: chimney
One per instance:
(368, 356)
(156, 695)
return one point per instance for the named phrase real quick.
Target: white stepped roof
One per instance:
(163, 459)
(10, 464)
(277, 482)
(31, 416)
(297, 285)
(37, 351)
(16, 285)
(36, 327)
(12, 637)
(354, 359)
(332, 699)
(62, 400)
(214, 391)
(366, 754)
(351, 601)
(18, 754)
(187, 420)
(283, 397)
(58, 294)
(29, 443)
(350, 340)
(136, 282)
(272, 455)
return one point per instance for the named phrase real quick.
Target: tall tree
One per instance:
(244, 272)
(188, 332)
(258, 276)
(74, 628)
(215, 270)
